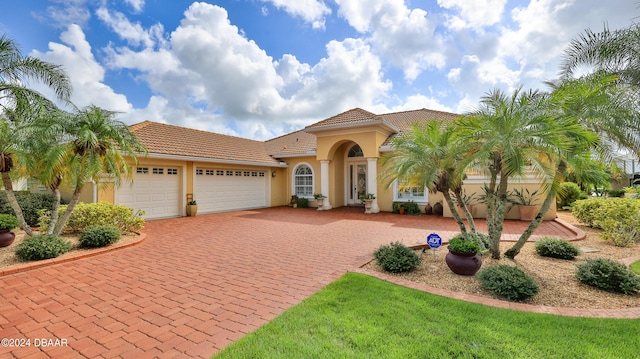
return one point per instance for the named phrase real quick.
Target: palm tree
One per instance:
(19, 104)
(612, 52)
(582, 109)
(429, 156)
(98, 147)
(507, 135)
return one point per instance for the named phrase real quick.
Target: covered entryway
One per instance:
(218, 190)
(155, 190)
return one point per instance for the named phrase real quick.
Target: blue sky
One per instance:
(262, 68)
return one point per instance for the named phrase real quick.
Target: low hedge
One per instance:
(396, 258)
(619, 218)
(509, 282)
(556, 248)
(41, 247)
(98, 214)
(30, 204)
(608, 275)
(99, 236)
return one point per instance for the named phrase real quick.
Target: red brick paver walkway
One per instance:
(197, 284)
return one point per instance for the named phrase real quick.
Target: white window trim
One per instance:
(423, 200)
(293, 179)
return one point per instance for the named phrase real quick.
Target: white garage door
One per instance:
(156, 190)
(218, 190)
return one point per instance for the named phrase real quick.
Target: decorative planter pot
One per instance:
(320, 203)
(192, 209)
(428, 209)
(368, 203)
(463, 263)
(401, 210)
(438, 209)
(528, 213)
(6, 237)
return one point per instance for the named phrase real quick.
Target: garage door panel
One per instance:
(158, 194)
(216, 193)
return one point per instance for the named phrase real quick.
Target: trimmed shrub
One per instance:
(569, 193)
(619, 218)
(303, 202)
(508, 282)
(42, 247)
(98, 214)
(411, 208)
(608, 275)
(556, 248)
(99, 236)
(30, 203)
(616, 193)
(396, 258)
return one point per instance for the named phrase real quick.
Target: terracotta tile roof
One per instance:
(166, 139)
(295, 143)
(353, 117)
(403, 120)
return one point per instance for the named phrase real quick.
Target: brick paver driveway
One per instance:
(196, 284)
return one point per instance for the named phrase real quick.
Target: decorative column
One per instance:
(324, 184)
(372, 182)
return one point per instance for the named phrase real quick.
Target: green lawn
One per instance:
(635, 266)
(363, 317)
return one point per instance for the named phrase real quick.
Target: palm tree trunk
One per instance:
(465, 210)
(13, 201)
(498, 221)
(456, 216)
(551, 196)
(55, 211)
(62, 222)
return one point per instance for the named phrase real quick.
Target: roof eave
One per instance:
(165, 156)
(382, 123)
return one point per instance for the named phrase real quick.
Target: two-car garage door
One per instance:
(218, 190)
(158, 190)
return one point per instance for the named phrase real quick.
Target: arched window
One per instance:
(355, 151)
(303, 181)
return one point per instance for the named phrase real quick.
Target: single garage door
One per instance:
(218, 190)
(156, 190)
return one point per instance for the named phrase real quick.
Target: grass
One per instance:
(363, 317)
(635, 266)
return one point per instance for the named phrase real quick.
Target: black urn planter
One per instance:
(6, 237)
(463, 263)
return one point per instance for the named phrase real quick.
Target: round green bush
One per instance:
(99, 236)
(396, 258)
(608, 275)
(556, 248)
(508, 282)
(42, 247)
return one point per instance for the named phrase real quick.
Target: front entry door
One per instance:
(357, 182)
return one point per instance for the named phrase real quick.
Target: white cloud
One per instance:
(213, 75)
(137, 5)
(66, 12)
(474, 14)
(134, 34)
(404, 37)
(86, 74)
(311, 11)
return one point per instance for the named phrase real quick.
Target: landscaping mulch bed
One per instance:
(556, 278)
(8, 258)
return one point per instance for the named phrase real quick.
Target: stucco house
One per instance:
(338, 157)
